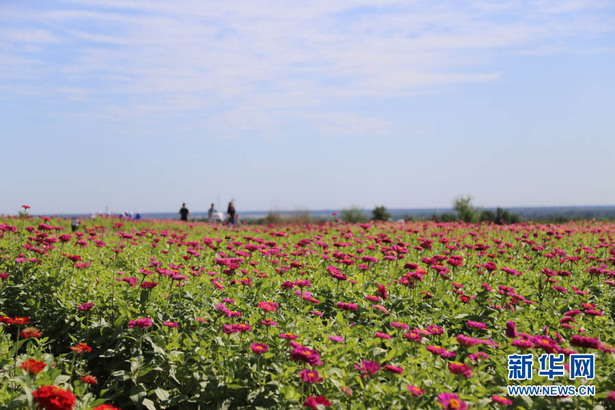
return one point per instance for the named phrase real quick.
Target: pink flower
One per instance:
(460, 368)
(86, 306)
(478, 356)
(502, 400)
(142, 323)
(307, 355)
(476, 325)
(288, 336)
(393, 369)
(335, 338)
(149, 285)
(415, 391)
(168, 323)
(611, 396)
(310, 376)
(259, 348)
(450, 401)
(367, 368)
(511, 329)
(382, 335)
(400, 325)
(314, 401)
(346, 306)
(268, 306)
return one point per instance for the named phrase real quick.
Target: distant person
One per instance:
(184, 213)
(231, 213)
(138, 216)
(74, 224)
(210, 213)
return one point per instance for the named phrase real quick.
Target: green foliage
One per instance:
(198, 365)
(380, 213)
(354, 214)
(465, 210)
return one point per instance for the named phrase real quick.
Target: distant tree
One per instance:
(505, 217)
(354, 214)
(380, 213)
(465, 210)
(445, 217)
(486, 216)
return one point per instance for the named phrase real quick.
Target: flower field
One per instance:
(418, 315)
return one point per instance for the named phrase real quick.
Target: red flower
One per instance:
(81, 348)
(314, 401)
(54, 398)
(33, 366)
(30, 332)
(19, 320)
(89, 379)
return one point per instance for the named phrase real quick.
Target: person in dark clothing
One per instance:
(74, 224)
(184, 213)
(231, 213)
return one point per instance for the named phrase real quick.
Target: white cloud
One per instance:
(248, 63)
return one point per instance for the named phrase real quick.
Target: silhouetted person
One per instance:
(184, 213)
(231, 213)
(210, 213)
(74, 224)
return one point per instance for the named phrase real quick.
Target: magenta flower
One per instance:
(314, 401)
(511, 329)
(288, 336)
(585, 341)
(335, 338)
(611, 396)
(86, 306)
(268, 306)
(346, 306)
(310, 376)
(450, 401)
(168, 323)
(259, 348)
(476, 325)
(142, 323)
(382, 335)
(393, 369)
(415, 391)
(502, 400)
(149, 285)
(367, 368)
(460, 368)
(307, 355)
(400, 325)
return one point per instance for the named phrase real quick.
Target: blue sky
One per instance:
(142, 105)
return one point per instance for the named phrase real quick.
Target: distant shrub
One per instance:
(354, 214)
(380, 213)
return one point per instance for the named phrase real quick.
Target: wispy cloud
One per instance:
(248, 63)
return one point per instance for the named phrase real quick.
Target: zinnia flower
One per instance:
(142, 323)
(30, 332)
(89, 379)
(33, 366)
(502, 400)
(310, 376)
(460, 368)
(367, 368)
(54, 398)
(450, 401)
(415, 391)
(81, 348)
(314, 401)
(259, 348)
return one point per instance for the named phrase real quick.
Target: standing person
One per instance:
(184, 213)
(210, 213)
(74, 224)
(231, 213)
